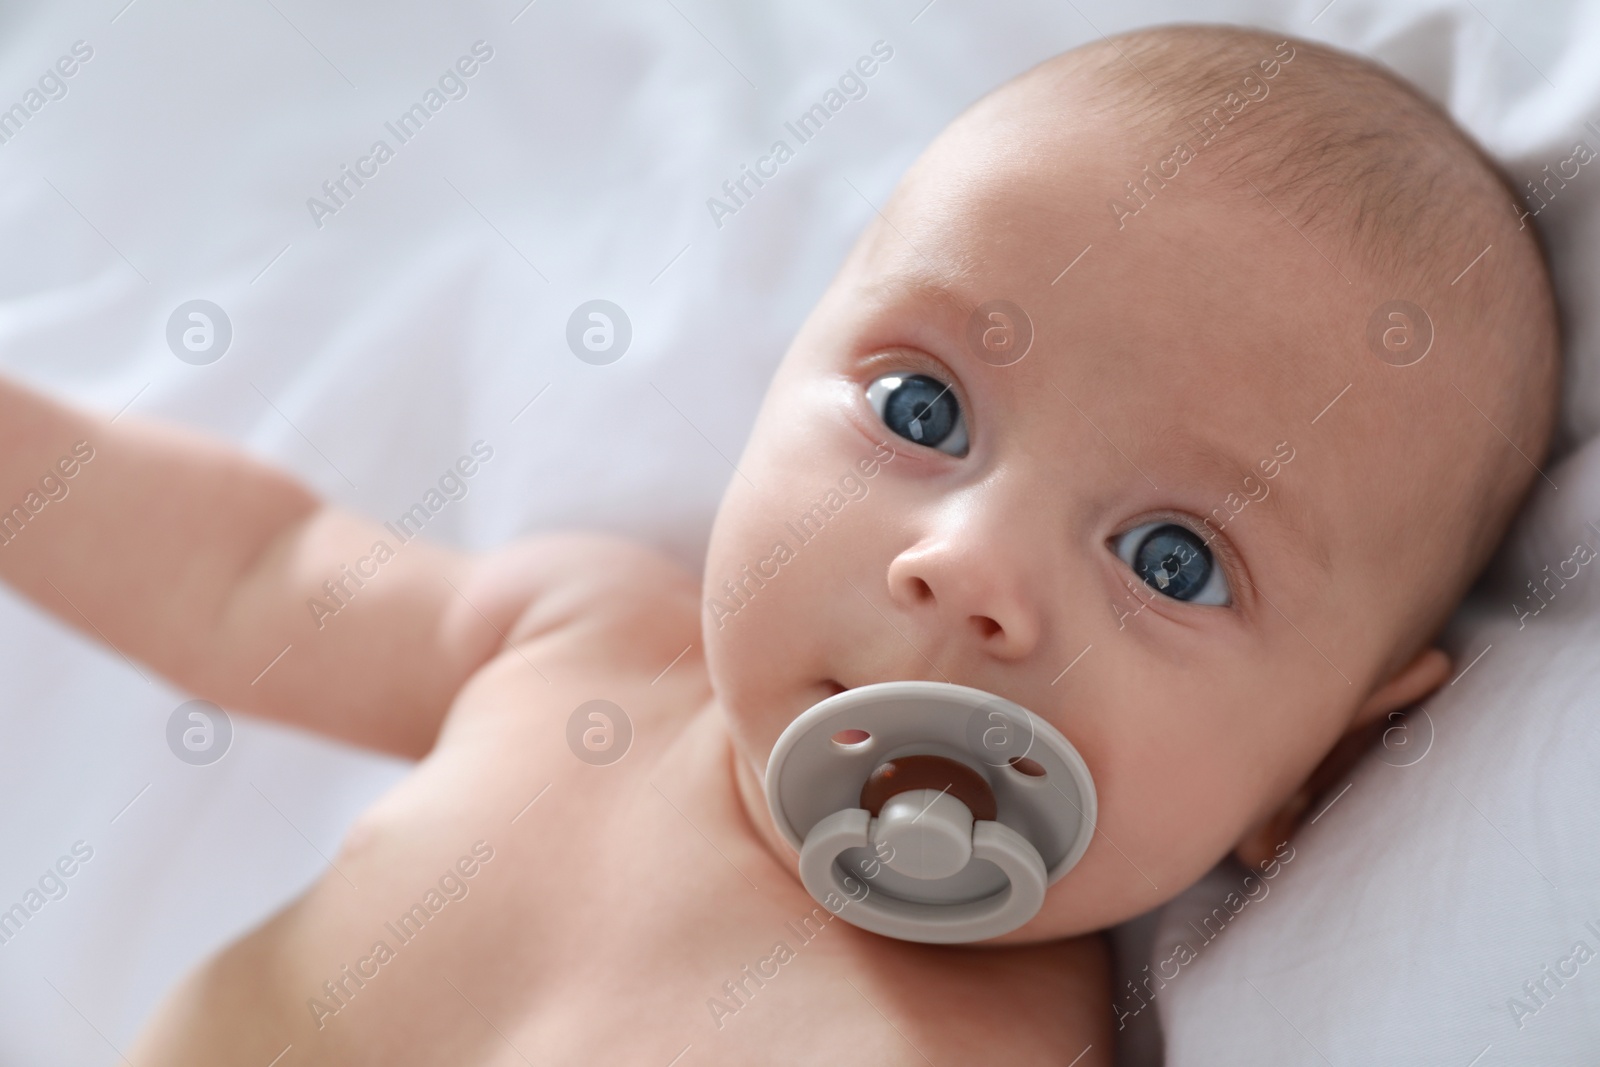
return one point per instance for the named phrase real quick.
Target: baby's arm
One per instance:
(188, 555)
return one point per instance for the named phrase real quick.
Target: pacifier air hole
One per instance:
(1024, 765)
(851, 738)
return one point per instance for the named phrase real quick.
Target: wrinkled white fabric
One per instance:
(426, 312)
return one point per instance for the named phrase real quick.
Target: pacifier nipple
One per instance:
(935, 847)
(929, 812)
(925, 807)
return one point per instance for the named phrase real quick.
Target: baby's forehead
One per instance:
(1209, 281)
(981, 181)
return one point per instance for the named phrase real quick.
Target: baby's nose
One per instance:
(968, 591)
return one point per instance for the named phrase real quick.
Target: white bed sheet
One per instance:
(428, 311)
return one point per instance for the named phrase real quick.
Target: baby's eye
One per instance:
(920, 409)
(1173, 560)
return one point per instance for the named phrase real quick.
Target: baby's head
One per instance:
(1212, 519)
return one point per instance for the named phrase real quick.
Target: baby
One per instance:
(1178, 395)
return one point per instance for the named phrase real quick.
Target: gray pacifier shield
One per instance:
(1043, 821)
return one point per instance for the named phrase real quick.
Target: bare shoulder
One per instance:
(620, 599)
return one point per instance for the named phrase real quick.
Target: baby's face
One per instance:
(909, 508)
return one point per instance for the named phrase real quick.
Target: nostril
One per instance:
(921, 590)
(987, 627)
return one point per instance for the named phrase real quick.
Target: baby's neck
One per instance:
(728, 784)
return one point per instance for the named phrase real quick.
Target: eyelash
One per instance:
(1227, 557)
(888, 361)
(911, 362)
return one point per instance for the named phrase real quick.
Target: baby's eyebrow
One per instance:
(922, 291)
(1185, 452)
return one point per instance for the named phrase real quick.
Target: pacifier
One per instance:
(929, 812)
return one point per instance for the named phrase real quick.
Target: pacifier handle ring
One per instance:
(941, 924)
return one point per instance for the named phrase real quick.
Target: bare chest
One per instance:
(568, 878)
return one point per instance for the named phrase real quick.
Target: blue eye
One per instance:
(1174, 561)
(920, 409)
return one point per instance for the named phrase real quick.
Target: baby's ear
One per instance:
(1425, 673)
(1413, 682)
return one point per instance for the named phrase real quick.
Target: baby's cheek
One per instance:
(745, 598)
(1177, 785)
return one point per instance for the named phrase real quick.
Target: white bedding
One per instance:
(431, 307)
